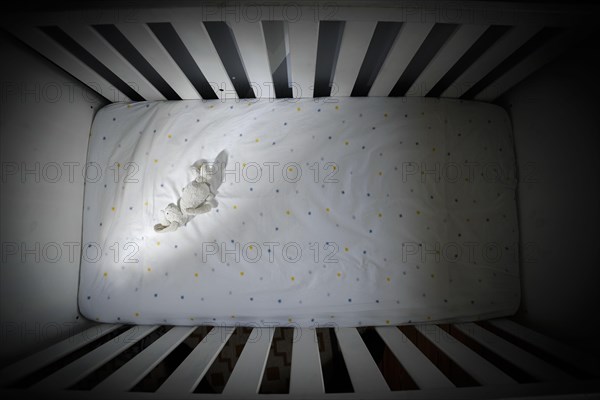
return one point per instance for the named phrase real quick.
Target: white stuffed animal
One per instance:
(198, 197)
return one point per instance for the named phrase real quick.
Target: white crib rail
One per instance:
(245, 21)
(419, 367)
(529, 363)
(130, 374)
(49, 355)
(570, 355)
(306, 376)
(247, 374)
(185, 378)
(306, 373)
(83, 366)
(478, 367)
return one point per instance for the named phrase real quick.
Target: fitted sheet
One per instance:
(333, 212)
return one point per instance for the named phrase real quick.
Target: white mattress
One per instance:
(416, 223)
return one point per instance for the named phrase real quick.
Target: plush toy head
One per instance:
(173, 214)
(172, 219)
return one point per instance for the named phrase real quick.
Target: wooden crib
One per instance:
(474, 51)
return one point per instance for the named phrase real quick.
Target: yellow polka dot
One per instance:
(137, 314)
(257, 140)
(418, 212)
(241, 273)
(385, 115)
(169, 136)
(380, 215)
(339, 274)
(149, 269)
(433, 275)
(380, 173)
(250, 247)
(298, 109)
(234, 207)
(293, 278)
(346, 143)
(290, 169)
(244, 165)
(289, 320)
(346, 249)
(146, 203)
(428, 317)
(158, 243)
(387, 321)
(468, 219)
(337, 107)
(433, 149)
(113, 209)
(196, 274)
(211, 106)
(191, 318)
(105, 274)
(334, 167)
(388, 279)
(118, 165)
(327, 209)
(128, 105)
(288, 212)
(155, 160)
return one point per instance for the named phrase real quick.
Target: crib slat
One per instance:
(363, 371)
(508, 43)
(49, 355)
(105, 53)
(191, 371)
(420, 369)
(303, 38)
(355, 42)
(306, 372)
(570, 355)
(83, 366)
(193, 34)
(248, 371)
(529, 363)
(67, 61)
(149, 46)
(478, 367)
(407, 43)
(533, 62)
(452, 50)
(250, 40)
(131, 373)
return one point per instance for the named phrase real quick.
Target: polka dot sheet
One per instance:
(333, 212)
